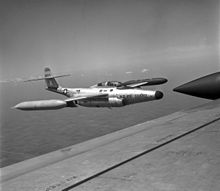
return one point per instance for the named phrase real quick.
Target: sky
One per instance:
(106, 39)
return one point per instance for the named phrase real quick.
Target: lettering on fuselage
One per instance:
(123, 96)
(129, 96)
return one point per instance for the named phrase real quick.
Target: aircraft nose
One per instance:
(158, 94)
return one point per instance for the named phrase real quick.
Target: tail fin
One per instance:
(49, 79)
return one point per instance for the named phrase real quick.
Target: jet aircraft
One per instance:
(105, 94)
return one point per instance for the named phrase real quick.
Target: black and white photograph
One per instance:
(110, 95)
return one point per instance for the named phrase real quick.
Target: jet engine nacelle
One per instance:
(116, 102)
(42, 105)
(102, 102)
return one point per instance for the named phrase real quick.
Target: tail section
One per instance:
(49, 79)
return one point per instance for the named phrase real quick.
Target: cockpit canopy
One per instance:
(108, 84)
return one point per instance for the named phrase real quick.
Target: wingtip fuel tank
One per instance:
(149, 82)
(41, 105)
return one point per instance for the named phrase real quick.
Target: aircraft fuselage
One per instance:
(116, 97)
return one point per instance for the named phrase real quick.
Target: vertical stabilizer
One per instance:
(49, 79)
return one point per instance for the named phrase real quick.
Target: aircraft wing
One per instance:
(137, 84)
(56, 104)
(179, 151)
(144, 82)
(87, 97)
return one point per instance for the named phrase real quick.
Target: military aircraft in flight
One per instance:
(105, 94)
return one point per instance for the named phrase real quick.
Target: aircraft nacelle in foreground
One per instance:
(109, 95)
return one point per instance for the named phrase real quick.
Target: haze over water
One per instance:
(97, 41)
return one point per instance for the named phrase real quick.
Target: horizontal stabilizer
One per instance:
(33, 79)
(44, 78)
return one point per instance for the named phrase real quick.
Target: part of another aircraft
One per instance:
(205, 87)
(106, 94)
